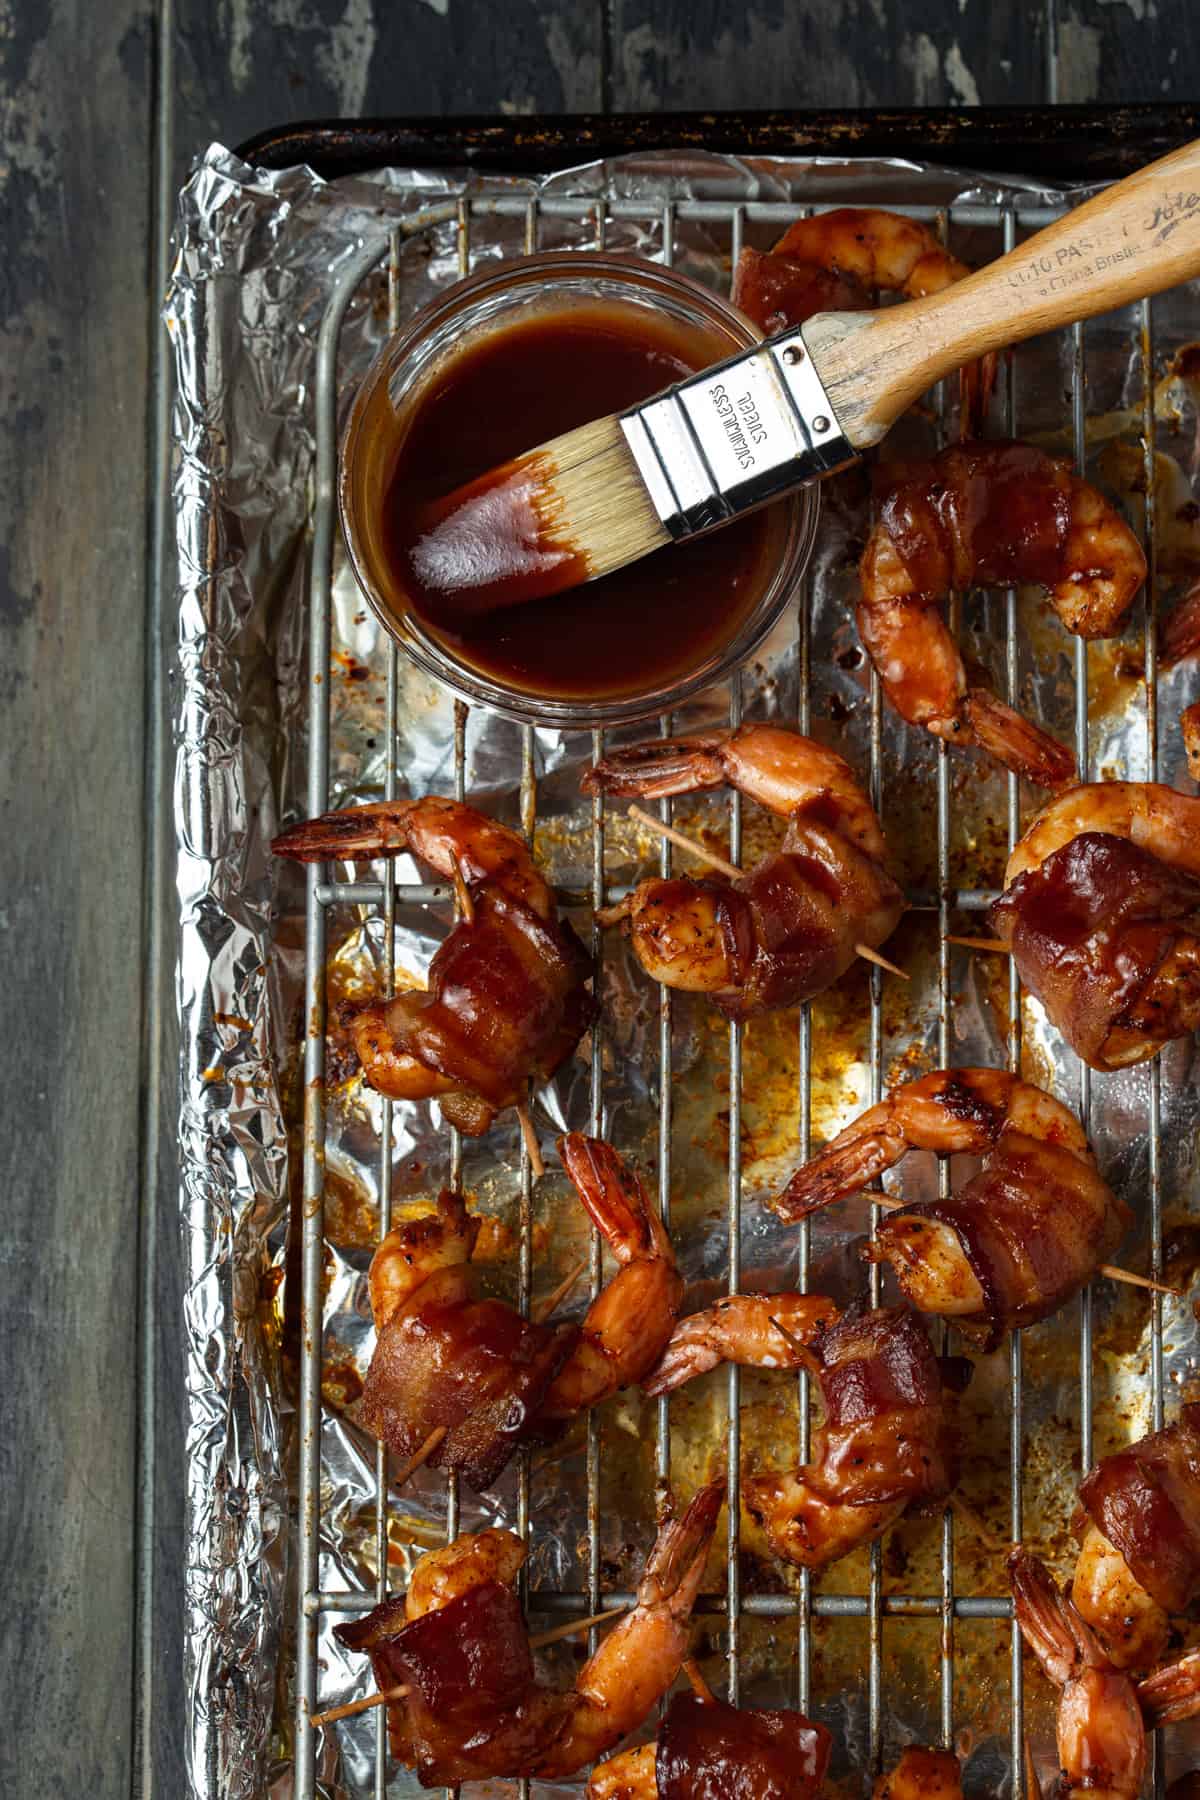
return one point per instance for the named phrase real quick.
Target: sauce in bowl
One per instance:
(515, 388)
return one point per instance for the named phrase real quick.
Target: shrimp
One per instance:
(789, 928)
(1147, 814)
(471, 1706)
(1101, 1732)
(507, 1000)
(1132, 1626)
(837, 262)
(921, 1775)
(643, 1653)
(472, 1368)
(988, 515)
(745, 1329)
(630, 1775)
(627, 1324)
(1101, 910)
(1139, 1557)
(1171, 1695)
(1027, 1232)
(440, 1576)
(886, 1441)
(414, 1251)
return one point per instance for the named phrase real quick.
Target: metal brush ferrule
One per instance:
(742, 432)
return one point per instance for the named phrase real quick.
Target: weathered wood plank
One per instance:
(851, 53)
(1127, 50)
(74, 210)
(256, 63)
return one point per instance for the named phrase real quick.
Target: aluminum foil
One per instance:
(258, 256)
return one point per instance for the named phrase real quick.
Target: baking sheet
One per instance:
(258, 256)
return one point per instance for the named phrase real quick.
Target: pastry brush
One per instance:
(795, 408)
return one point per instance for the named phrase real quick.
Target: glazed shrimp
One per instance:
(1139, 1524)
(470, 1706)
(630, 1320)
(1132, 1626)
(414, 1251)
(1101, 911)
(1101, 1733)
(643, 1653)
(886, 1441)
(471, 1368)
(789, 928)
(745, 1329)
(986, 515)
(1170, 1695)
(630, 1775)
(1018, 1240)
(921, 1774)
(507, 1000)
(1147, 814)
(440, 1576)
(838, 262)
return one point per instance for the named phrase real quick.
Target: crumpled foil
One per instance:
(258, 256)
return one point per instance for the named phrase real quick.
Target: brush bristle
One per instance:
(592, 498)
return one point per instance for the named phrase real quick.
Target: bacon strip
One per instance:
(473, 1708)
(1034, 1226)
(1089, 929)
(474, 1366)
(506, 1001)
(1146, 1501)
(884, 1436)
(710, 1751)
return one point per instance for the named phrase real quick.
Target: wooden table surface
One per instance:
(104, 106)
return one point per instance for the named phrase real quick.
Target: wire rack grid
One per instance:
(945, 1605)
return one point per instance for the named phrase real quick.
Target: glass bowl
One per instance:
(388, 399)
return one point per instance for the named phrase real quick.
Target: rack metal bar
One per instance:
(721, 212)
(459, 212)
(753, 1606)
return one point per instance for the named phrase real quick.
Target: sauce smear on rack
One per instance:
(652, 622)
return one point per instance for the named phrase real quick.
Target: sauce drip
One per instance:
(650, 623)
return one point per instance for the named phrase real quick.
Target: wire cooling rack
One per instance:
(733, 1606)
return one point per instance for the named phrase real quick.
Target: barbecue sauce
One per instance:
(650, 623)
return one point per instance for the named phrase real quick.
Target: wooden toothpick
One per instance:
(700, 1687)
(554, 1300)
(1142, 1281)
(529, 1137)
(573, 1629)
(881, 962)
(980, 943)
(462, 893)
(686, 843)
(420, 1456)
(731, 869)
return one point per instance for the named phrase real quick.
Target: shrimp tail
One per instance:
(836, 1172)
(661, 767)
(1172, 1693)
(1049, 1623)
(676, 1563)
(611, 1193)
(1018, 743)
(358, 834)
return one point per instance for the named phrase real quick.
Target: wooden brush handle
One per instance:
(1136, 238)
